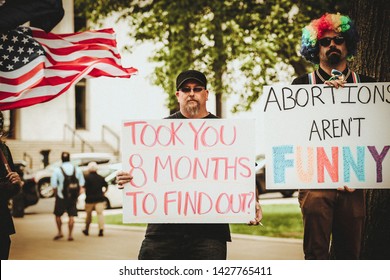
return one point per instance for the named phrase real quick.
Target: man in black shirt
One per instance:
(95, 187)
(10, 184)
(328, 42)
(187, 241)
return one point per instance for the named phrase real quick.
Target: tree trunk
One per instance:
(372, 20)
(219, 62)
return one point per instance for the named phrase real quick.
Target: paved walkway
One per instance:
(35, 232)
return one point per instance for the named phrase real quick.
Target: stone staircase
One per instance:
(30, 150)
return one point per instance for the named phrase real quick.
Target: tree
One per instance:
(257, 37)
(240, 45)
(373, 58)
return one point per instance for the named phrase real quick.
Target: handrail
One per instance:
(30, 159)
(74, 135)
(114, 134)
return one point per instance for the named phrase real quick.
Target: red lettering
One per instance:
(153, 202)
(136, 162)
(149, 136)
(245, 166)
(198, 166)
(215, 168)
(225, 167)
(222, 134)
(134, 196)
(175, 134)
(249, 204)
(236, 202)
(185, 167)
(167, 201)
(324, 162)
(218, 203)
(133, 132)
(196, 133)
(190, 202)
(154, 135)
(158, 163)
(159, 136)
(203, 199)
(205, 137)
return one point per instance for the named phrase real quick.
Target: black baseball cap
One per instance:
(191, 75)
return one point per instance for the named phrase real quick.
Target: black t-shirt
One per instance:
(214, 231)
(94, 184)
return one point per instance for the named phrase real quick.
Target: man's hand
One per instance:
(345, 188)
(122, 178)
(259, 216)
(14, 178)
(336, 80)
(335, 83)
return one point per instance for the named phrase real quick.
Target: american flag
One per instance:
(36, 66)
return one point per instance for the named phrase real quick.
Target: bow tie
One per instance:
(336, 75)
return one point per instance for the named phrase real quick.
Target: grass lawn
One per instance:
(281, 220)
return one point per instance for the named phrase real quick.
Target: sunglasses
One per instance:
(325, 42)
(194, 89)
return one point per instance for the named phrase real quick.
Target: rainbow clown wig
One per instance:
(317, 27)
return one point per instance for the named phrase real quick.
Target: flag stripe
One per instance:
(39, 68)
(97, 70)
(21, 75)
(78, 57)
(58, 47)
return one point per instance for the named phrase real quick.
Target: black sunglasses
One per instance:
(188, 89)
(325, 42)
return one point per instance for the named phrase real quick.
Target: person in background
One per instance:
(62, 203)
(10, 185)
(187, 241)
(337, 214)
(95, 187)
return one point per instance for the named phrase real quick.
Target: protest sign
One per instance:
(321, 137)
(189, 171)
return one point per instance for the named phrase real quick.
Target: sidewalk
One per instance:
(34, 241)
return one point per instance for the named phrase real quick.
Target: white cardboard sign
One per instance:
(321, 137)
(189, 171)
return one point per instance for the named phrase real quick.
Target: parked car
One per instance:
(113, 195)
(42, 177)
(261, 182)
(29, 194)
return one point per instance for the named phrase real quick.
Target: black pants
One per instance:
(5, 245)
(182, 248)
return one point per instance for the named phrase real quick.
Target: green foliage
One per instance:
(240, 45)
